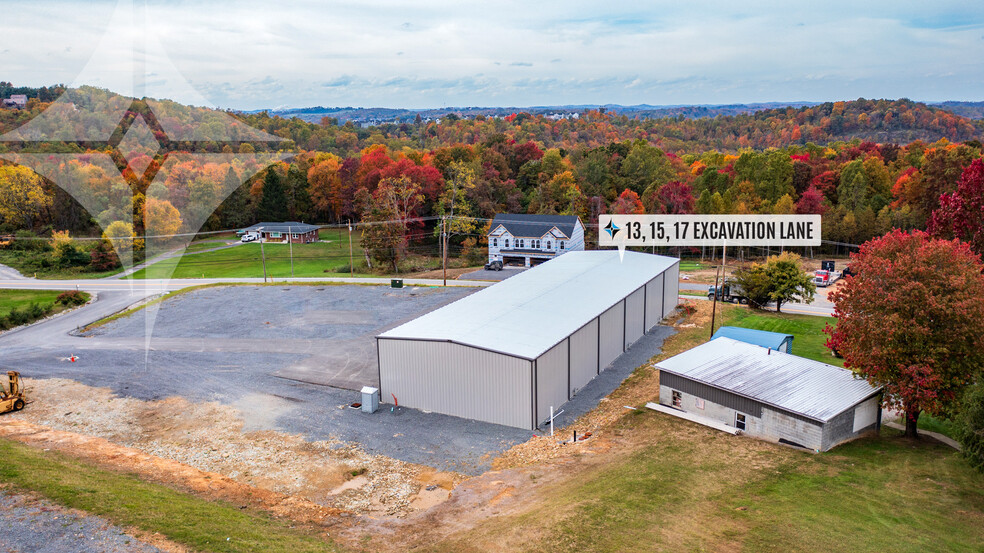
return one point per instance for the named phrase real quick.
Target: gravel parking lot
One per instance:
(291, 359)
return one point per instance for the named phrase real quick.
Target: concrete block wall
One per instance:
(772, 425)
(779, 425)
(753, 425)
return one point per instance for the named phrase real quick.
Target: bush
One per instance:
(970, 426)
(103, 257)
(27, 241)
(71, 298)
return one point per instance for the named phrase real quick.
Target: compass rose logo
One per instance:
(612, 229)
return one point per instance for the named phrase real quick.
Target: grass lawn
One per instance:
(21, 299)
(25, 263)
(131, 502)
(688, 265)
(244, 261)
(671, 485)
(807, 330)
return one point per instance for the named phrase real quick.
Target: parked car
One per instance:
(248, 238)
(493, 265)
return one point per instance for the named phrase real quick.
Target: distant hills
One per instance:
(376, 116)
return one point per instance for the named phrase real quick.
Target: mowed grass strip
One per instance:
(877, 494)
(131, 502)
(21, 299)
(246, 261)
(807, 330)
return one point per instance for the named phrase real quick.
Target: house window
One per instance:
(274, 235)
(507, 242)
(520, 243)
(698, 403)
(740, 421)
(536, 244)
(495, 242)
(561, 244)
(548, 244)
(295, 236)
(677, 399)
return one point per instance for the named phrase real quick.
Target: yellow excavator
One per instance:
(12, 396)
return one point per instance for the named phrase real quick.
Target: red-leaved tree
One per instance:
(911, 320)
(961, 213)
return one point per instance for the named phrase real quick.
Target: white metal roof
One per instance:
(811, 388)
(527, 314)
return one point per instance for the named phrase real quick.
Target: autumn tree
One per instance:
(628, 203)
(453, 206)
(161, 219)
(22, 196)
(121, 235)
(961, 213)
(780, 279)
(911, 320)
(386, 213)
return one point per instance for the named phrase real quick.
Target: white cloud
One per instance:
(425, 54)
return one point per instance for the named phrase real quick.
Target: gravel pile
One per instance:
(211, 437)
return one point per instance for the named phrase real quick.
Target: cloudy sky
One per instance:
(250, 55)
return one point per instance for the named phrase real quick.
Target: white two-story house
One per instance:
(533, 239)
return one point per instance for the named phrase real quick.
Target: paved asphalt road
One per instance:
(821, 306)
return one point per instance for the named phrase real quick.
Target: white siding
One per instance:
(671, 288)
(551, 381)
(457, 380)
(612, 322)
(584, 356)
(635, 313)
(654, 302)
(866, 414)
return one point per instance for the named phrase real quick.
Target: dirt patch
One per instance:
(453, 274)
(222, 440)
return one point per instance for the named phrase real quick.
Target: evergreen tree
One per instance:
(273, 202)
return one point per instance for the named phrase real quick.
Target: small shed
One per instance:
(769, 394)
(775, 340)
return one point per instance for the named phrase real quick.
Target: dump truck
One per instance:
(12, 395)
(730, 292)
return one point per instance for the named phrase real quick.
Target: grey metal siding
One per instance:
(635, 314)
(457, 380)
(710, 393)
(551, 383)
(584, 356)
(612, 326)
(671, 288)
(654, 302)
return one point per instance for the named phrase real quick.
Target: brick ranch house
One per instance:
(290, 231)
(533, 239)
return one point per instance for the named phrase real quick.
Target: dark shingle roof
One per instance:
(293, 226)
(534, 226)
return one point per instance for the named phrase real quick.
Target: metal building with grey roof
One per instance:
(769, 394)
(509, 352)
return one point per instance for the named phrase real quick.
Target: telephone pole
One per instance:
(263, 257)
(444, 247)
(351, 259)
(290, 241)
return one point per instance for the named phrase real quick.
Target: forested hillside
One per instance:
(866, 165)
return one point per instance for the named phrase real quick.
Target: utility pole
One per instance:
(290, 241)
(715, 301)
(444, 247)
(351, 259)
(263, 257)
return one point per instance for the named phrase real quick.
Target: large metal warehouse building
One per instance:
(509, 352)
(769, 394)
